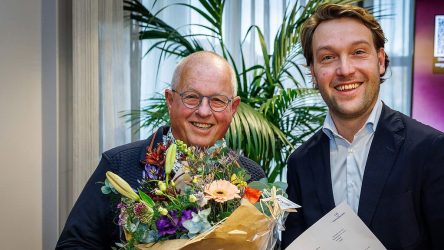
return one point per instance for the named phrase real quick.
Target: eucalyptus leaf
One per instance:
(280, 185)
(105, 190)
(258, 185)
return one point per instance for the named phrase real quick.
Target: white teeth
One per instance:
(347, 86)
(201, 125)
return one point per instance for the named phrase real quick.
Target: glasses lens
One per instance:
(190, 99)
(219, 102)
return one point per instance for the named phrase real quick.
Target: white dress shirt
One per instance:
(347, 160)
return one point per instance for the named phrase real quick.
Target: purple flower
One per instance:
(167, 225)
(121, 205)
(187, 215)
(151, 171)
(122, 219)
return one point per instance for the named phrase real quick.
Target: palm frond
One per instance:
(272, 119)
(280, 102)
(153, 115)
(269, 87)
(154, 28)
(213, 12)
(260, 135)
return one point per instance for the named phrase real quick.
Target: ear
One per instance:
(169, 98)
(234, 104)
(313, 77)
(381, 60)
(312, 72)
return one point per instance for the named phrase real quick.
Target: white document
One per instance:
(340, 229)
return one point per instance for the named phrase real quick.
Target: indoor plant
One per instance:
(272, 118)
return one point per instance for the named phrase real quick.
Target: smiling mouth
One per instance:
(347, 87)
(202, 125)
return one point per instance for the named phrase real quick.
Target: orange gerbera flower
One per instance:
(221, 191)
(252, 194)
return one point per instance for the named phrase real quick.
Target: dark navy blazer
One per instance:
(91, 223)
(402, 194)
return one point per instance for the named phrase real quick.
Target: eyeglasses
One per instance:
(192, 100)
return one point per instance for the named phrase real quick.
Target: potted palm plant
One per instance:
(272, 118)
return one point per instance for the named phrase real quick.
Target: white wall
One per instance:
(20, 125)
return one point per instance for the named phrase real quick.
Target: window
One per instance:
(396, 19)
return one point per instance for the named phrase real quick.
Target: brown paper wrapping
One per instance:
(246, 228)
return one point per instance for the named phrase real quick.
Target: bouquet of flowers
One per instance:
(192, 198)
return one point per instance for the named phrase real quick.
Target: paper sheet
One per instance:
(340, 229)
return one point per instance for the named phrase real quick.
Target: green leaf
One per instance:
(280, 185)
(258, 185)
(146, 198)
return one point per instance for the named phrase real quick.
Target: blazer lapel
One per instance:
(320, 165)
(382, 155)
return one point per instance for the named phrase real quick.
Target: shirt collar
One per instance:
(372, 121)
(330, 130)
(169, 138)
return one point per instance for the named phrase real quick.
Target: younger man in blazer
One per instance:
(388, 167)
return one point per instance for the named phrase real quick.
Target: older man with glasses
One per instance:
(201, 104)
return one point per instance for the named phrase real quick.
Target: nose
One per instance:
(345, 67)
(204, 109)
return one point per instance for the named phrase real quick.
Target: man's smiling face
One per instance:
(201, 126)
(346, 67)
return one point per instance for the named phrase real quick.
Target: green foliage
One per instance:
(272, 118)
(154, 114)
(263, 184)
(144, 197)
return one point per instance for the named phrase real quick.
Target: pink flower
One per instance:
(143, 212)
(121, 205)
(139, 209)
(122, 218)
(221, 191)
